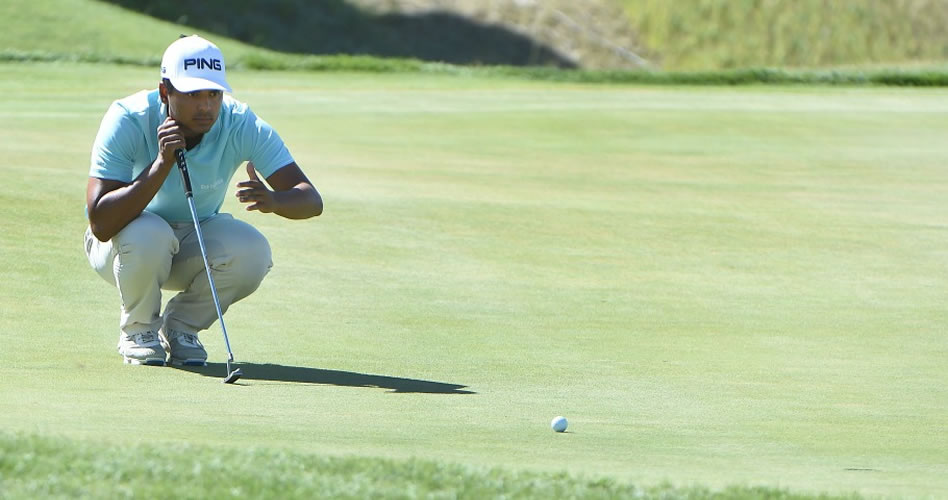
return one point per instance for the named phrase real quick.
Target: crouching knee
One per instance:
(255, 261)
(247, 262)
(146, 241)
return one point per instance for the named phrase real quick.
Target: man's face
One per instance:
(196, 111)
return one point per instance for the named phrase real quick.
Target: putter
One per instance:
(232, 376)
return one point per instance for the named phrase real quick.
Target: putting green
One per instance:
(715, 285)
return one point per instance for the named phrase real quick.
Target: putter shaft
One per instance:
(186, 178)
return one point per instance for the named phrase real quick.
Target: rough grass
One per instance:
(911, 77)
(688, 35)
(720, 34)
(100, 32)
(48, 467)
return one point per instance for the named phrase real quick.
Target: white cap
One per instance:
(193, 63)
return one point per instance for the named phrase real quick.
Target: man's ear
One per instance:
(163, 92)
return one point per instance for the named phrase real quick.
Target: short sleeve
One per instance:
(113, 153)
(265, 147)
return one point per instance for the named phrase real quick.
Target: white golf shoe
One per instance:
(141, 349)
(185, 349)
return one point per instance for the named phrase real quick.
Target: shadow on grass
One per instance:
(304, 375)
(342, 27)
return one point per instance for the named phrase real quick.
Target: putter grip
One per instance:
(183, 167)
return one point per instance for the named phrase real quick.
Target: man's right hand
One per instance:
(170, 139)
(112, 204)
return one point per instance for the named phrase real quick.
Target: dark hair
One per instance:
(168, 85)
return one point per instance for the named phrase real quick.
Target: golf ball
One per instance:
(559, 424)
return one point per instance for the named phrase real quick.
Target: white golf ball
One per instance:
(559, 424)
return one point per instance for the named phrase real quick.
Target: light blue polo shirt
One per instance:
(127, 144)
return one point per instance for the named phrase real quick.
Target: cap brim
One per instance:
(191, 84)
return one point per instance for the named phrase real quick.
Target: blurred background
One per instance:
(592, 34)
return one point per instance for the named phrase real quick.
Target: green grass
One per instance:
(692, 35)
(718, 287)
(91, 30)
(719, 34)
(102, 33)
(32, 467)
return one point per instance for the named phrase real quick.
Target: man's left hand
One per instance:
(255, 192)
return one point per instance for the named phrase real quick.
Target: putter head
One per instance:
(233, 376)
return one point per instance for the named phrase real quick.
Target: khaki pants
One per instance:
(150, 254)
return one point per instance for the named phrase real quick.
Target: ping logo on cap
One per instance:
(202, 63)
(193, 63)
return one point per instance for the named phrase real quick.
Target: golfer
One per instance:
(141, 237)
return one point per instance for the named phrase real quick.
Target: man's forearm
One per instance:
(300, 202)
(112, 211)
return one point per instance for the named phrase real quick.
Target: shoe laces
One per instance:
(187, 339)
(145, 338)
